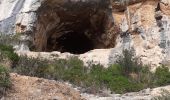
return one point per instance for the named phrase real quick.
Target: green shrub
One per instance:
(114, 69)
(6, 48)
(57, 69)
(129, 63)
(8, 51)
(101, 76)
(4, 80)
(94, 77)
(74, 70)
(111, 78)
(71, 70)
(126, 76)
(146, 77)
(30, 66)
(162, 76)
(9, 39)
(121, 84)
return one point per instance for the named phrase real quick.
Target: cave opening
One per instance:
(72, 42)
(75, 26)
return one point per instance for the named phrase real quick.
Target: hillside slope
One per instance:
(32, 88)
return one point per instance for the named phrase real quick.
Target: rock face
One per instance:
(147, 26)
(78, 26)
(18, 15)
(55, 25)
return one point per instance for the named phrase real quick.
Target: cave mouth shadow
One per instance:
(73, 26)
(72, 42)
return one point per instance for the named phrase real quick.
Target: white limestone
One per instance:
(146, 41)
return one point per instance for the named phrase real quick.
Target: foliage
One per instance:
(30, 66)
(146, 77)
(127, 75)
(94, 78)
(9, 39)
(129, 63)
(6, 46)
(74, 71)
(4, 80)
(8, 51)
(162, 76)
(122, 84)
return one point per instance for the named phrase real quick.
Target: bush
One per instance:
(97, 78)
(146, 77)
(8, 51)
(126, 76)
(71, 70)
(100, 77)
(56, 70)
(162, 76)
(9, 39)
(121, 84)
(4, 80)
(129, 63)
(30, 66)
(94, 77)
(74, 71)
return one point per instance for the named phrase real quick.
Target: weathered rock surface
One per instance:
(104, 57)
(140, 24)
(146, 94)
(149, 29)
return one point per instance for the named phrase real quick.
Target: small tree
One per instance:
(129, 63)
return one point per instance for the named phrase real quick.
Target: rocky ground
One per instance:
(146, 94)
(32, 88)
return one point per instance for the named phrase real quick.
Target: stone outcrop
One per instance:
(146, 94)
(148, 30)
(78, 26)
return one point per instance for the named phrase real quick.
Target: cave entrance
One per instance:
(75, 43)
(73, 26)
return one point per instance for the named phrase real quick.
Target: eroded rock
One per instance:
(78, 26)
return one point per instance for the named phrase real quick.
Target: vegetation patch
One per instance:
(5, 82)
(8, 51)
(128, 75)
(162, 76)
(6, 48)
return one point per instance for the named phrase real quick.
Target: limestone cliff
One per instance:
(78, 26)
(148, 26)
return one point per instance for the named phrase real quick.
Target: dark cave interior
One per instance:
(75, 43)
(74, 27)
